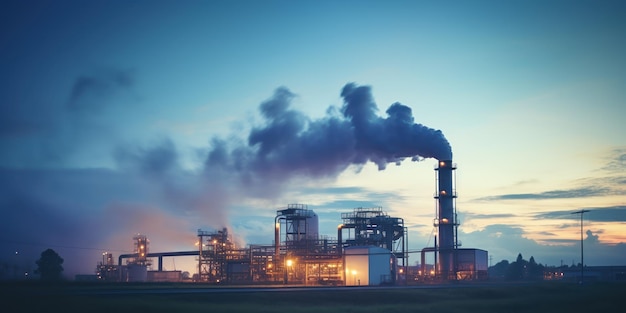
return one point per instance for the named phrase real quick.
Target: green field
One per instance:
(536, 297)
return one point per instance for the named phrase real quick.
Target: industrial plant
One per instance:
(370, 248)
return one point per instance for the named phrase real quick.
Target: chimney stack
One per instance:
(446, 218)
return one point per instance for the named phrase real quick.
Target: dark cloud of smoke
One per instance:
(392, 139)
(289, 144)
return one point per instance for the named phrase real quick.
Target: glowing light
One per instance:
(289, 263)
(340, 226)
(442, 164)
(277, 225)
(354, 272)
(444, 220)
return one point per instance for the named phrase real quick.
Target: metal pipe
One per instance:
(339, 240)
(277, 238)
(200, 238)
(405, 253)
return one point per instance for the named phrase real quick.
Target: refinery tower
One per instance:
(446, 221)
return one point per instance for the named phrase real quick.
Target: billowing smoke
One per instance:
(394, 138)
(285, 146)
(290, 144)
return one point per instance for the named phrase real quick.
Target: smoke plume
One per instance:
(289, 144)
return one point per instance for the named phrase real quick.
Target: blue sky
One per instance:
(125, 117)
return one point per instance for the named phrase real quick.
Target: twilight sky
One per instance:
(165, 117)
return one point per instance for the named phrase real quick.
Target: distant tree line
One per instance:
(518, 270)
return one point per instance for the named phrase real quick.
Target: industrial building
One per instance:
(370, 249)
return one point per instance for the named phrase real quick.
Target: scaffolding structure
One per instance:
(140, 250)
(297, 229)
(106, 270)
(300, 254)
(215, 249)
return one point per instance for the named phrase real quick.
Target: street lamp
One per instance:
(582, 260)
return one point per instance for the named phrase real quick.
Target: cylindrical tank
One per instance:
(312, 225)
(300, 223)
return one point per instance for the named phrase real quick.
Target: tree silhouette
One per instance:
(535, 271)
(517, 269)
(49, 266)
(499, 270)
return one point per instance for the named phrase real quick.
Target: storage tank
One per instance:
(298, 223)
(311, 225)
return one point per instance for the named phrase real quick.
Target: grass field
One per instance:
(537, 297)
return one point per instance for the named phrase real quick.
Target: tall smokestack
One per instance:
(446, 218)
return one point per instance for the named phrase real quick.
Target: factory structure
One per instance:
(370, 248)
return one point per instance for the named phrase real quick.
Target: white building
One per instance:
(368, 266)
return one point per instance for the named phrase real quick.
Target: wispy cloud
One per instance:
(488, 216)
(546, 233)
(334, 190)
(347, 205)
(610, 183)
(583, 192)
(598, 214)
(525, 182)
(617, 162)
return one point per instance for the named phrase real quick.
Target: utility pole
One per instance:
(582, 260)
